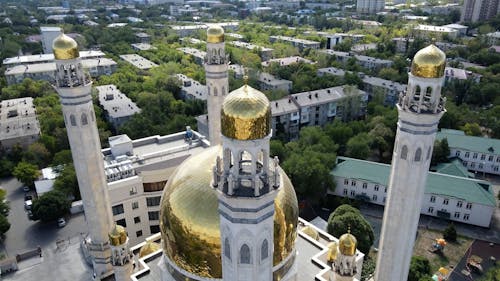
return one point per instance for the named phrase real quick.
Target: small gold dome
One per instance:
(215, 34)
(311, 232)
(332, 251)
(189, 217)
(246, 114)
(65, 48)
(149, 248)
(429, 62)
(347, 244)
(118, 235)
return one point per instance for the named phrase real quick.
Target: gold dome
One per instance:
(347, 244)
(65, 48)
(215, 34)
(118, 235)
(429, 62)
(246, 114)
(149, 248)
(332, 251)
(189, 218)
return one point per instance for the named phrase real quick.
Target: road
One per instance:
(25, 234)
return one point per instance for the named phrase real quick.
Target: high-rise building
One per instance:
(479, 10)
(74, 88)
(370, 6)
(419, 109)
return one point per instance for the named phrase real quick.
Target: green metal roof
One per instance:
(457, 139)
(454, 168)
(470, 190)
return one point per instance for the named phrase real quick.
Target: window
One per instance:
(154, 186)
(72, 119)
(153, 201)
(498, 159)
(490, 158)
(418, 155)
(374, 198)
(345, 191)
(365, 185)
(264, 250)
(473, 165)
(227, 249)
(457, 215)
(353, 183)
(429, 153)
(135, 205)
(137, 219)
(404, 152)
(445, 201)
(433, 199)
(84, 119)
(459, 204)
(245, 254)
(121, 222)
(457, 153)
(138, 233)
(474, 156)
(495, 168)
(483, 157)
(346, 182)
(376, 187)
(465, 163)
(468, 206)
(384, 199)
(118, 209)
(466, 217)
(353, 193)
(430, 210)
(467, 154)
(385, 189)
(133, 190)
(154, 229)
(154, 216)
(480, 166)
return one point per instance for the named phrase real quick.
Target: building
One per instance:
(142, 47)
(453, 197)
(462, 29)
(268, 82)
(192, 89)
(49, 33)
(18, 123)
(364, 61)
(479, 10)
(285, 118)
(118, 108)
(143, 37)
(138, 61)
(43, 58)
(454, 74)
(198, 55)
(287, 61)
(264, 53)
(437, 32)
(47, 71)
(419, 111)
(301, 44)
(478, 154)
(370, 6)
(337, 38)
(493, 38)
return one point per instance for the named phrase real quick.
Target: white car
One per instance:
(61, 222)
(28, 204)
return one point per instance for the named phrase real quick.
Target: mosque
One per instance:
(230, 212)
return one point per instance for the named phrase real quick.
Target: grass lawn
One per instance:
(453, 252)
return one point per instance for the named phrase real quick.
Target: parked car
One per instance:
(30, 215)
(26, 188)
(61, 222)
(27, 197)
(28, 204)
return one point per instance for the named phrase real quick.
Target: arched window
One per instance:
(429, 153)
(72, 120)
(428, 94)
(416, 97)
(404, 152)
(227, 249)
(245, 257)
(84, 119)
(418, 155)
(264, 250)
(208, 90)
(223, 90)
(215, 91)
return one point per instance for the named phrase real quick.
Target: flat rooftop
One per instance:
(193, 52)
(18, 118)
(49, 57)
(115, 103)
(283, 106)
(269, 79)
(143, 46)
(249, 46)
(295, 40)
(51, 66)
(321, 96)
(138, 61)
(287, 61)
(192, 88)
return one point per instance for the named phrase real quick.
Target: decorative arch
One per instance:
(428, 94)
(227, 248)
(417, 94)
(418, 155)
(223, 90)
(84, 119)
(428, 153)
(264, 250)
(215, 91)
(404, 152)
(72, 120)
(245, 254)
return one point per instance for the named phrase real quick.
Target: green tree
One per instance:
(450, 233)
(441, 152)
(4, 205)
(359, 146)
(26, 173)
(67, 182)
(472, 129)
(368, 268)
(51, 205)
(346, 217)
(419, 268)
(493, 274)
(4, 225)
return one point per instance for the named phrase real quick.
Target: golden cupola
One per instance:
(118, 235)
(347, 244)
(429, 62)
(215, 34)
(246, 114)
(65, 48)
(149, 248)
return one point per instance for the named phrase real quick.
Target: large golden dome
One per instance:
(429, 62)
(347, 244)
(215, 34)
(65, 48)
(246, 114)
(189, 218)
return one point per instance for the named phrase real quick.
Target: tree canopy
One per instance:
(26, 173)
(51, 206)
(420, 268)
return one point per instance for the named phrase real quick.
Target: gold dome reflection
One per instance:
(65, 48)
(429, 62)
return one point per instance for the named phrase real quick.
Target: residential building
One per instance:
(301, 44)
(42, 58)
(264, 53)
(370, 6)
(143, 37)
(49, 33)
(18, 123)
(453, 74)
(192, 89)
(118, 108)
(479, 10)
(142, 47)
(364, 61)
(138, 61)
(285, 118)
(493, 38)
(181, 10)
(455, 198)
(462, 29)
(267, 82)
(437, 32)
(402, 44)
(287, 61)
(478, 154)
(198, 55)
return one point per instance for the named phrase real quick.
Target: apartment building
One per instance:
(118, 108)
(192, 89)
(364, 61)
(18, 123)
(301, 44)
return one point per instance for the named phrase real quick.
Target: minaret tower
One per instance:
(216, 67)
(247, 186)
(344, 265)
(420, 109)
(121, 257)
(74, 87)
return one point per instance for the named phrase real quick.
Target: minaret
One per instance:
(74, 87)
(121, 257)
(344, 261)
(246, 187)
(420, 109)
(216, 67)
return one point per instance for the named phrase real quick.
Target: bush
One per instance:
(450, 233)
